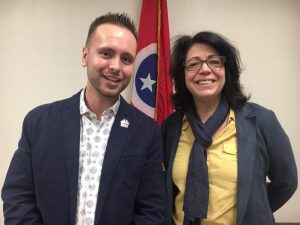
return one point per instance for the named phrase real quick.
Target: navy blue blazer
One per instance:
(42, 181)
(264, 150)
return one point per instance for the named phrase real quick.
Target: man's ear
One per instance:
(84, 57)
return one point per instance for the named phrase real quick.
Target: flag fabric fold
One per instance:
(152, 85)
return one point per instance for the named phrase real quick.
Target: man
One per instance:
(90, 159)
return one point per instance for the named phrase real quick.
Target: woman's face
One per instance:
(204, 80)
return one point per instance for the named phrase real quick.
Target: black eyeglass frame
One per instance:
(223, 60)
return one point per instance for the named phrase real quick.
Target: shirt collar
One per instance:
(231, 115)
(185, 122)
(84, 109)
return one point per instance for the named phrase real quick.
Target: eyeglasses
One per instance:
(213, 62)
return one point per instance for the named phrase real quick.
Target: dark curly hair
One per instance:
(232, 90)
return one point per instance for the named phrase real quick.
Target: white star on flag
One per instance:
(147, 82)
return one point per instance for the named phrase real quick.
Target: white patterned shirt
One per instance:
(94, 135)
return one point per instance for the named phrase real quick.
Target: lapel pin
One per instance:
(124, 123)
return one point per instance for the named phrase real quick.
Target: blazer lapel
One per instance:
(71, 132)
(172, 138)
(170, 147)
(246, 136)
(115, 145)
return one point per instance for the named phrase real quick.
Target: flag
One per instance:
(152, 84)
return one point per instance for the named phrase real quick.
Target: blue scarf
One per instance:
(197, 186)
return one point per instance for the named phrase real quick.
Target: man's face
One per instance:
(109, 58)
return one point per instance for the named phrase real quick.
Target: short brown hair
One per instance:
(120, 19)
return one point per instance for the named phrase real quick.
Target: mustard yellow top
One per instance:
(222, 173)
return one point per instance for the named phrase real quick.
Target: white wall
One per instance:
(41, 43)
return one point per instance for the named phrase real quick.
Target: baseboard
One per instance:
(287, 223)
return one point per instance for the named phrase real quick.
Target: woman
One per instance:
(219, 148)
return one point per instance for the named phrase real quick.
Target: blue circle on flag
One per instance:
(147, 67)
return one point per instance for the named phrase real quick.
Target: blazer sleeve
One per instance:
(282, 171)
(18, 192)
(150, 200)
